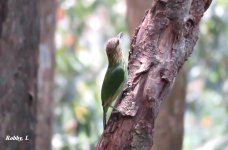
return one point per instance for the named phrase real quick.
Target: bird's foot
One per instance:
(115, 110)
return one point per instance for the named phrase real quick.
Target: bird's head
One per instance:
(113, 45)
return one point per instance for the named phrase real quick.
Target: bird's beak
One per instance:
(120, 35)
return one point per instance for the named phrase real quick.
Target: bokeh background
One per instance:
(84, 26)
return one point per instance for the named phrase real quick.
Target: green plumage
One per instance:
(115, 77)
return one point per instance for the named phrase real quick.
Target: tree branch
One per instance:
(159, 48)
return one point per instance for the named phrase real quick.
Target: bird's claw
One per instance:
(115, 110)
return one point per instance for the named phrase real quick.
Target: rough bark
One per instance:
(45, 74)
(159, 48)
(168, 130)
(19, 42)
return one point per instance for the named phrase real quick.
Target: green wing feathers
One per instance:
(112, 85)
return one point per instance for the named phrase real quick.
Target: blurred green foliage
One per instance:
(83, 28)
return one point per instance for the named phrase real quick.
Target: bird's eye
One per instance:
(117, 43)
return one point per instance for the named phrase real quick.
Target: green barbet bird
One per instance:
(116, 74)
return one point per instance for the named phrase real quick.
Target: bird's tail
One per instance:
(104, 117)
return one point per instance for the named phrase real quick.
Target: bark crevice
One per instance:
(3, 12)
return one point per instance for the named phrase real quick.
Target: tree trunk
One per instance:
(19, 42)
(169, 125)
(135, 12)
(159, 48)
(45, 74)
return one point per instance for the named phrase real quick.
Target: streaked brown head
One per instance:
(113, 44)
